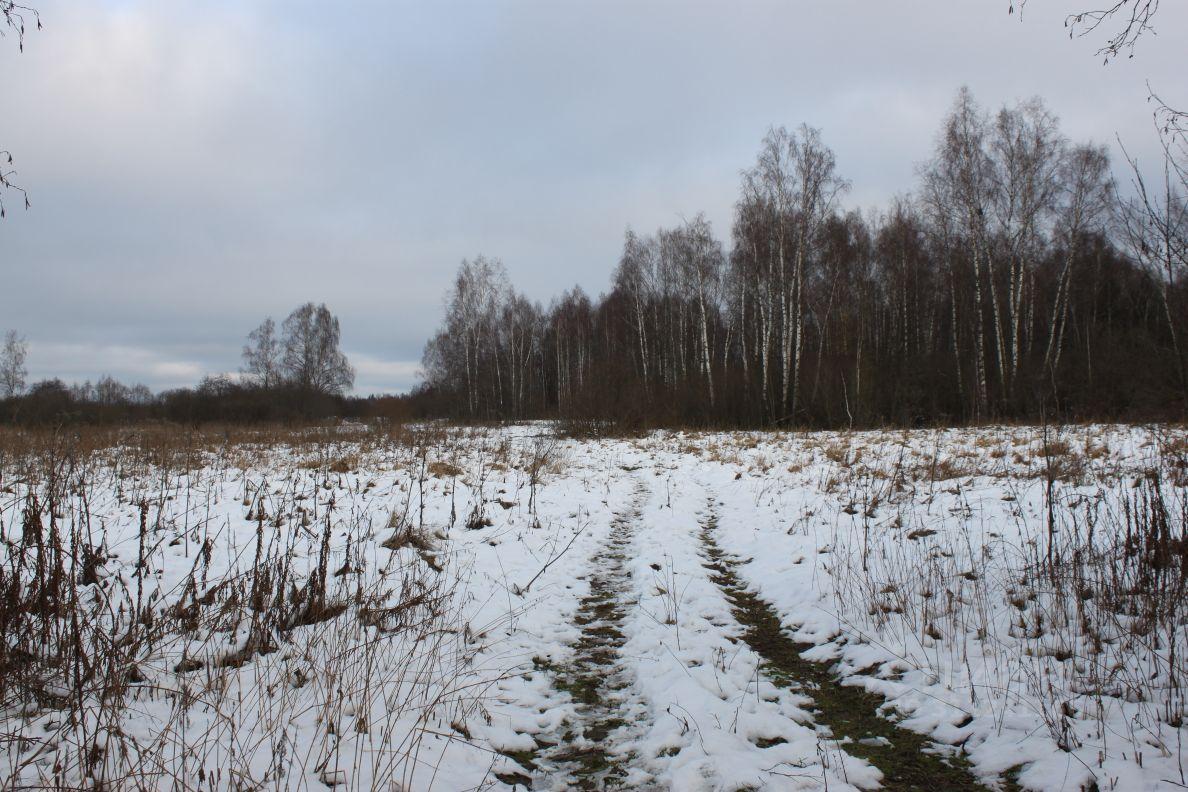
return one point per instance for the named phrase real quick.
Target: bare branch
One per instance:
(1133, 27)
(6, 182)
(1135, 19)
(14, 19)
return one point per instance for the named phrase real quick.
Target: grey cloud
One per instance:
(195, 167)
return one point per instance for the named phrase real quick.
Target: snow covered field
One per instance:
(459, 609)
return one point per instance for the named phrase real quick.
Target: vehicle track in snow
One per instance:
(591, 754)
(908, 760)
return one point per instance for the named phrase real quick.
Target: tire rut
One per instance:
(596, 678)
(907, 759)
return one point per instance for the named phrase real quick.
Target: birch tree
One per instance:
(262, 355)
(1085, 199)
(793, 186)
(1026, 152)
(958, 189)
(635, 279)
(818, 186)
(311, 358)
(12, 365)
(699, 260)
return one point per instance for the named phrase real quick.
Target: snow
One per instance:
(345, 704)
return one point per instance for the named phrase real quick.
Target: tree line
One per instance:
(294, 372)
(1013, 282)
(215, 400)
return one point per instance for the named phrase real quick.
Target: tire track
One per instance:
(590, 754)
(907, 759)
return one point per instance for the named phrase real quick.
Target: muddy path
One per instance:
(908, 760)
(591, 754)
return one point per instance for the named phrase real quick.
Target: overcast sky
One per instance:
(197, 166)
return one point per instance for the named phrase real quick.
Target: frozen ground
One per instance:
(465, 609)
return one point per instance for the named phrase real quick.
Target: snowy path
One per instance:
(907, 760)
(594, 752)
(660, 689)
(667, 629)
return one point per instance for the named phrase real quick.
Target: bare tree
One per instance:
(769, 188)
(312, 359)
(1155, 221)
(635, 280)
(480, 289)
(12, 365)
(698, 259)
(958, 185)
(262, 355)
(140, 394)
(1087, 195)
(110, 391)
(518, 338)
(793, 187)
(818, 187)
(572, 327)
(1026, 150)
(753, 267)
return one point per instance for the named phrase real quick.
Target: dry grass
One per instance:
(444, 470)
(120, 669)
(1094, 595)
